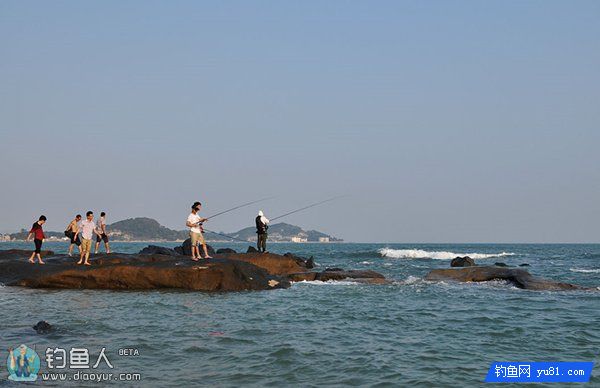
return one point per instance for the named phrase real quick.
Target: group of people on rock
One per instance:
(81, 234)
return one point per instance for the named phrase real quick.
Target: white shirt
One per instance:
(87, 229)
(194, 219)
(101, 221)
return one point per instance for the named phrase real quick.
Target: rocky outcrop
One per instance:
(136, 272)
(225, 250)
(462, 262)
(186, 248)
(519, 277)
(156, 250)
(158, 267)
(337, 274)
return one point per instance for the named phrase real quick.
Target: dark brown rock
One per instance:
(42, 327)
(225, 250)
(462, 262)
(519, 277)
(186, 248)
(338, 274)
(136, 272)
(156, 250)
(272, 263)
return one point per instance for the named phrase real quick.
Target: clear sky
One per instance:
(444, 121)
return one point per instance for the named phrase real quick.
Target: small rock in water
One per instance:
(462, 262)
(310, 263)
(501, 264)
(524, 265)
(42, 327)
(251, 249)
(335, 269)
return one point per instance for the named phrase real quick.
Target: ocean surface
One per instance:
(408, 333)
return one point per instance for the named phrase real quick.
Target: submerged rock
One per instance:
(462, 262)
(42, 327)
(251, 249)
(498, 264)
(519, 277)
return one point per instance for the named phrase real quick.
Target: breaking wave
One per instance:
(583, 270)
(437, 255)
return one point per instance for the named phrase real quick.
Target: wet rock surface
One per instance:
(136, 272)
(462, 262)
(159, 268)
(519, 277)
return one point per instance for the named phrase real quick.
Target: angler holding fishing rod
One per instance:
(195, 223)
(262, 224)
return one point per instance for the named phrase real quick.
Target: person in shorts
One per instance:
(194, 222)
(102, 236)
(38, 238)
(71, 233)
(87, 231)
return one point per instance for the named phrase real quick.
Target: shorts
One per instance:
(38, 245)
(102, 237)
(86, 245)
(74, 240)
(196, 238)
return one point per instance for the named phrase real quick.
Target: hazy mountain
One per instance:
(148, 229)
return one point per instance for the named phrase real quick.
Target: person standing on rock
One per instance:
(71, 233)
(102, 236)
(38, 238)
(87, 231)
(262, 224)
(194, 222)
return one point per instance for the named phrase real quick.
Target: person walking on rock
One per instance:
(102, 236)
(87, 231)
(38, 238)
(194, 222)
(262, 224)
(71, 233)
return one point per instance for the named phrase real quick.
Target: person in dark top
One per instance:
(38, 238)
(262, 224)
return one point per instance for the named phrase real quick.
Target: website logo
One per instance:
(23, 364)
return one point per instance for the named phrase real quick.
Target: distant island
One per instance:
(148, 229)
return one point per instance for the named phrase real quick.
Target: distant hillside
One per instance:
(148, 229)
(141, 229)
(283, 232)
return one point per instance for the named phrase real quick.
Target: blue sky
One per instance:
(444, 121)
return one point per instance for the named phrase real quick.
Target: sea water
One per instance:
(409, 332)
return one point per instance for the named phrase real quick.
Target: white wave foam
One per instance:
(328, 283)
(583, 270)
(411, 280)
(437, 255)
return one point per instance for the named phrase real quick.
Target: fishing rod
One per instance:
(224, 235)
(238, 207)
(307, 207)
(278, 217)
